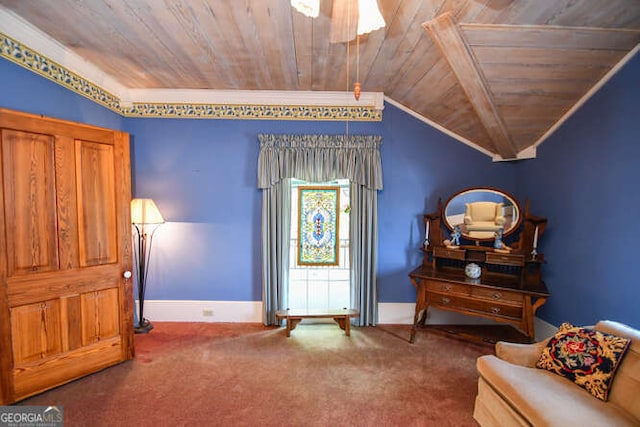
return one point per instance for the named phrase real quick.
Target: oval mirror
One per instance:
(481, 212)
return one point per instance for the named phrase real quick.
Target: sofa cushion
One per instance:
(544, 398)
(491, 410)
(625, 391)
(587, 357)
(520, 354)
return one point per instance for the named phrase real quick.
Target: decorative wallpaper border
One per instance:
(28, 58)
(261, 112)
(33, 61)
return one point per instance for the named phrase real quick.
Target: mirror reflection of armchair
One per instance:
(484, 217)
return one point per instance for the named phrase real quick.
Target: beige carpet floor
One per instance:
(199, 374)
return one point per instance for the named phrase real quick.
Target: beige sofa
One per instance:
(513, 392)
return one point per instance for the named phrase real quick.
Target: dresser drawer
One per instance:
(448, 288)
(496, 309)
(505, 259)
(467, 305)
(497, 295)
(444, 252)
(447, 301)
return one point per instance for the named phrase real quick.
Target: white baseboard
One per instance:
(203, 311)
(251, 312)
(392, 313)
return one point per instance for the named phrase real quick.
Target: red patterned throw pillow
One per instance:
(587, 357)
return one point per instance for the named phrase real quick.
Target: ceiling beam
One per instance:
(445, 34)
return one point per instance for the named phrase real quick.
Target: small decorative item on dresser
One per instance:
(454, 242)
(498, 244)
(472, 270)
(426, 235)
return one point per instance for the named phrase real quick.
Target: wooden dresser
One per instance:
(509, 290)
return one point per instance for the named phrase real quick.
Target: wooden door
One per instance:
(65, 308)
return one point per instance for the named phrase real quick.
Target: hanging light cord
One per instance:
(348, 71)
(357, 58)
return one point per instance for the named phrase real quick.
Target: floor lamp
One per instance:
(145, 218)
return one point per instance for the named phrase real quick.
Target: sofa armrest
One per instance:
(520, 354)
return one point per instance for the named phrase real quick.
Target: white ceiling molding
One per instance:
(527, 153)
(254, 97)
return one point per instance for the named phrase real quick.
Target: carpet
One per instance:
(204, 374)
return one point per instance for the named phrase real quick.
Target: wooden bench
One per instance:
(342, 316)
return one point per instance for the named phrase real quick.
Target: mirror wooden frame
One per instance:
(465, 196)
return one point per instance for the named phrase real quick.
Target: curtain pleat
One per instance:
(320, 158)
(363, 255)
(276, 231)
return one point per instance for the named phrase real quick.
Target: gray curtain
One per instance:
(276, 230)
(364, 251)
(319, 158)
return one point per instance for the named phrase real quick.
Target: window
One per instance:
(320, 287)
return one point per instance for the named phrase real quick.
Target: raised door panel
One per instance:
(71, 314)
(96, 203)
(67, 202)
(30, 202)
(43, 340)
(100, 317)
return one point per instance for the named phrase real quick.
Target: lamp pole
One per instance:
(144, 213)
(144, 326)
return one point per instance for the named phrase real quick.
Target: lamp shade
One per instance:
(145, 211)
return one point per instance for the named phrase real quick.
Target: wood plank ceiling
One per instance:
(497, 73)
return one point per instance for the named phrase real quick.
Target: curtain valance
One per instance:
(319, 158)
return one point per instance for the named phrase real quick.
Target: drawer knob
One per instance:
(495, 310)
(447, 287)
(497, 295)
(445, 300)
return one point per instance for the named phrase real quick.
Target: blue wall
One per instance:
(23, 90)
(202, 173)
(203, 176)
(585, 180)
(420, 165)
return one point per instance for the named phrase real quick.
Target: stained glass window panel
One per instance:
(318, 225)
